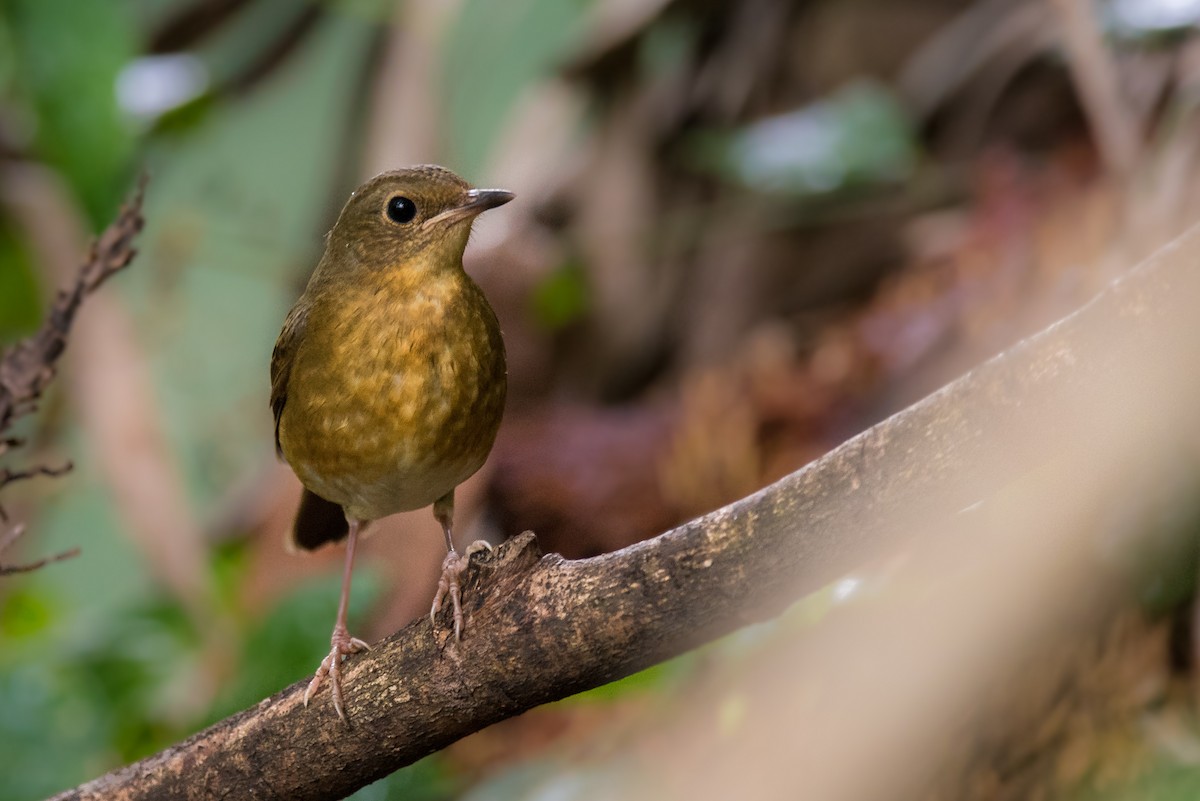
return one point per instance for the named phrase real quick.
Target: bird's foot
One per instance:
(453, 567)
(342, 645)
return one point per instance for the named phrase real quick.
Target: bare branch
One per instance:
(540, 628)
(12, 536)
(9, 476)
(28, 367)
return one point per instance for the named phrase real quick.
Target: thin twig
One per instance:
(12, 536)
(28, 367)
(10, 476)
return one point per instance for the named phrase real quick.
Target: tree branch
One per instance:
(541, 628)
(8, 476)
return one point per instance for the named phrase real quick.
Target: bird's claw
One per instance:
(342, 645)
(453, 567)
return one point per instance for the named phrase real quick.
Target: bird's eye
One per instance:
(401, 210)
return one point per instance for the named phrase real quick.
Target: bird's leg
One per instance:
(341, 641)
(453, 566)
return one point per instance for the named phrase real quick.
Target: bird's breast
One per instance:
(396, 396)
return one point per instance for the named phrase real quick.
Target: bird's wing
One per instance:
(281, 362)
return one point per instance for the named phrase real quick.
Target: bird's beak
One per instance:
(478, 201)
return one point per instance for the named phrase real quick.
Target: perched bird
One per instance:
(388, 378)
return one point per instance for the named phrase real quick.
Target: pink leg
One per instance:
(341, 641)
(453, 566)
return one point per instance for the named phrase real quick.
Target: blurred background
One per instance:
(744, 232)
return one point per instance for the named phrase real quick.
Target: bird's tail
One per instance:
(318, 521)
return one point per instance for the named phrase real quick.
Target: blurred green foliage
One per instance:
(58, 64)
(1165, 779)
(20, 301)
(561, 297)
(64, 65)
(119, 691)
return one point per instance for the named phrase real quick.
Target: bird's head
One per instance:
(410, 216)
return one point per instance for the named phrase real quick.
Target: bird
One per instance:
(388, 379)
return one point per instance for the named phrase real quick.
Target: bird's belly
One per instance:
(370, 495)
(398, 426)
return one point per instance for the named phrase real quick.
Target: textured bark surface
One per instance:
(540, 628)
